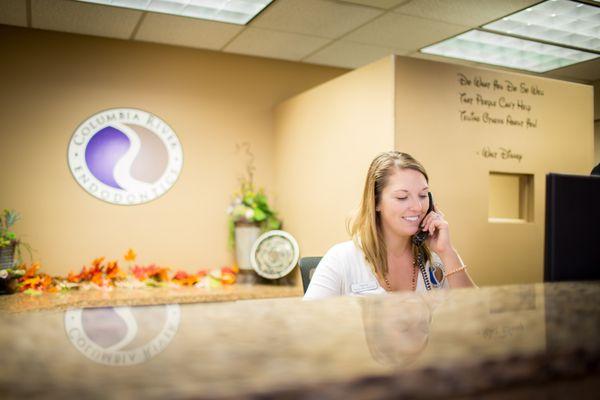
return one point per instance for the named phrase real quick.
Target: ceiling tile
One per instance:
(265, 43)
(404, 32)
(385, 4)
(349, 54)
(463, 12)
(84, 18)
(13, 12)
(314, 17)
(182, 31)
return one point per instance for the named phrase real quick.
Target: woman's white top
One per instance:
(343, 270)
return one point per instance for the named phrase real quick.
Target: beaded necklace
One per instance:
(413, 283)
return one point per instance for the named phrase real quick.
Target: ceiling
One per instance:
(340, 33)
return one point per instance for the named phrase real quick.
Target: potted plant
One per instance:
(249, 215)
(10, 246)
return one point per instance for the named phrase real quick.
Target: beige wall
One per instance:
(51, 82)
(326, 138)
(428, 125)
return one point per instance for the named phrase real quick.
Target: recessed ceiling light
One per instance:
(557, 21)
(507, 51)
(233, 11)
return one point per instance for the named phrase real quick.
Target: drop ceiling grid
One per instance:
(182, 31)
(314, 17)
(275, 44)
(342, 53)
(342, 33)
(463, 12)
(383, 4)
(404, 31)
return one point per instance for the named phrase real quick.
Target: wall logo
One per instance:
(122, 335)
(125, 156)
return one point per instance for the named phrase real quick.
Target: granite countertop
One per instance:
(510, 341)
(20, 302)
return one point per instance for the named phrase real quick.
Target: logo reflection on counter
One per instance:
(125, 156)
(397, 327)
(121, 336)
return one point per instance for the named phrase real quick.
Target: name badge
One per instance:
(436, 274)
(363, 286)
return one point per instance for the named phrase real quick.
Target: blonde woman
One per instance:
(385, 254)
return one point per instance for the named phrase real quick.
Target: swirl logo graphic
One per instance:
(122, 335)
(125, 156)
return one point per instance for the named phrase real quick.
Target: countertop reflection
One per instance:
(467, 342)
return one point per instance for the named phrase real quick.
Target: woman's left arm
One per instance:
(439, 242)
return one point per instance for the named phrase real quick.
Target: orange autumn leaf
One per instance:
(98, 279)
(32, 281)
(96, 263)
(130, 255)
(228, 278)
(184, 279)
(31, 271)
(45, 283)
(75, 278)
(163, 275)
(113, 272)
(72, 277)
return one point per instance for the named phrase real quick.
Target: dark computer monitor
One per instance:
(572, 241)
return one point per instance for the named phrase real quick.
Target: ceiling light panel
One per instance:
(556, 21)
(507, 51)
(232, 11)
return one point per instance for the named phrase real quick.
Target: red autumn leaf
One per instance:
(180, 275)
(227, 270)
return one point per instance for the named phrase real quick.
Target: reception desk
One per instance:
(522, 341)
(21, 302)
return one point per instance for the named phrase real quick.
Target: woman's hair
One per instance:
(365, 228)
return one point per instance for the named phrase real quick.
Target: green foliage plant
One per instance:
(249, 205)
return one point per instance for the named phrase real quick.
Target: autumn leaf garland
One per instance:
(102, 274)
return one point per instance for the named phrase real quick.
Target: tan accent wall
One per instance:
(326, 139)
(51, 82)
(503, 196)
(457, 154)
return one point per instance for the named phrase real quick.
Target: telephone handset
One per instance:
(419, 237)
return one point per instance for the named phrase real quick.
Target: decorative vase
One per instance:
(245, 235)
(7, 256)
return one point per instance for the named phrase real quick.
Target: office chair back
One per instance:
(307, 269)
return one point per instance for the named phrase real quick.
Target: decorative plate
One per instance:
(274, 254)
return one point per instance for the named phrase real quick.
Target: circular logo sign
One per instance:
(122, 335)
(125, 156)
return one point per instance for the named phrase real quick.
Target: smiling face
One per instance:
(403, 202)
